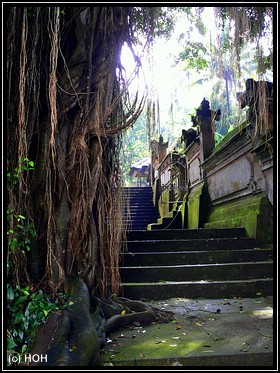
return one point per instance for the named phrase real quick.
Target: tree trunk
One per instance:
(69, 125)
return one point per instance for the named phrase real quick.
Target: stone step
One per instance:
(195, 289)
(137, 190)
(191, 244)
(174, 234)
(136, 212)
(197, 272)
(137, 226)
(139, 196)
(195, 257)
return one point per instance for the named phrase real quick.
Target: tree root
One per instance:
(74, 336)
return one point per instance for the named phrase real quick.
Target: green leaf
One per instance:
(18, 318)
(53, 306)
(21, 217)
(10, 294)
(21, 299)
(24, 348)
(10, 343)
(41, 315)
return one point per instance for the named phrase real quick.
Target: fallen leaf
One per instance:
(173, 345)
(208, 351)
(175, 337)
(197, 324)
(123, 312)
(178, 327)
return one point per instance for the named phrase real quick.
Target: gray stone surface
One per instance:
(203, 332)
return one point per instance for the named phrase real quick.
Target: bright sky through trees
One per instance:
(167, 81)
(172, 86)
(177, 90)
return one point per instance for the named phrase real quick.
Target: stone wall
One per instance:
(239, 178)
(233, 187)
(228, 185)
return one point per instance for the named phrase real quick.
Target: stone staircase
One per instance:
(189, 263)
(140, 208)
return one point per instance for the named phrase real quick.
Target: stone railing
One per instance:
(228, 185)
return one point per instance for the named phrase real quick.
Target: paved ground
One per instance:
(202, 332)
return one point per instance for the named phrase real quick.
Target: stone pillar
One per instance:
(205, 119)
(158, 153)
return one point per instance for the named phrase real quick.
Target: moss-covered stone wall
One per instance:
(163, 203)
(253, 212)
(194, 207)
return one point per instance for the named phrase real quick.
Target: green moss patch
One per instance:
(253, 212)
(194, 202)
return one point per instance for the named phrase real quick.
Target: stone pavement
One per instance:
(202, 332)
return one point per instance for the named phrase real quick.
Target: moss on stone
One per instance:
(155, 344)
(253, 212)
(184, 212)
(194, 201)
(163, 203)
(230, 135)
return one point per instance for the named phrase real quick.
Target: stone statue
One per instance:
(256, 95)
(188, 136)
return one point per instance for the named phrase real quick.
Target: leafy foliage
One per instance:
(257, 20)
(21, 237)
(27, 310)
(194, 55)
(135, 146)
(20, 230)
(14, 174)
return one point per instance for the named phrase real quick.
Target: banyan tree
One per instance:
(67, 106)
